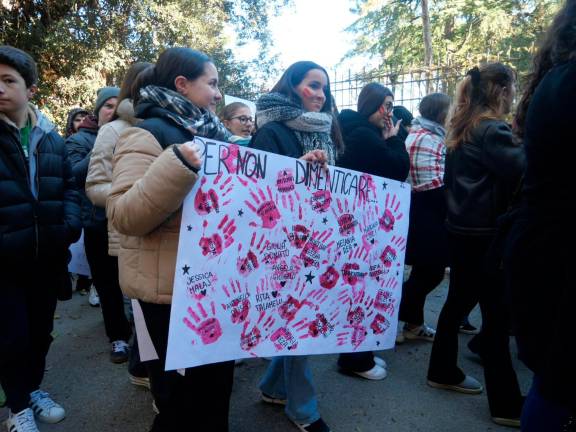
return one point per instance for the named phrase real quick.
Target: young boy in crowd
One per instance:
(39, 218)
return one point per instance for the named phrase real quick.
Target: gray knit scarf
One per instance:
(312, 129)
(199, 121)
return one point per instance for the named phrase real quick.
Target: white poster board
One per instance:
(278, 257)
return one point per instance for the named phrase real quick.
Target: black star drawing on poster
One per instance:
(189, 227)
(384, 185)
(309, 277)
(185, 269)
(240, 213)
(325, 221)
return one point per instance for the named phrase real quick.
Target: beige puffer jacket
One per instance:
(144, 206)
(99, 176)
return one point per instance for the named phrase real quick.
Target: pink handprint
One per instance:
(206, 202)
(239, 301)
(354, 335)
(346, 220)
(379, 324)
(283, 339)
(366, 191)
(310, 254)
(384, 301)
(250, 340)
(321, 201)
(214, 245)
(391, 214)
(265, 208)
(249, 263)
(390, 254)
(208, 328)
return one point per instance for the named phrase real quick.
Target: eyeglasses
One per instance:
(389, 106)
(243, 119)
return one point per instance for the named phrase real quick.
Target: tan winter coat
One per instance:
(144, 206)
(99, 177)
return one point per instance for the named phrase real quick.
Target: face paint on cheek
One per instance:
(307, 93)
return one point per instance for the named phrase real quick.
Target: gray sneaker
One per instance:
(468, 386)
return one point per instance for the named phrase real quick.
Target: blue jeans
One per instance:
(541, 414)
(290, 378)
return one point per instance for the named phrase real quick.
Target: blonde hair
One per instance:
(478, 97)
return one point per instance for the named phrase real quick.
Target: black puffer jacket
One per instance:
(481, 177)
(37, 227)
(367, 151)
(79, 151)
(276, 137)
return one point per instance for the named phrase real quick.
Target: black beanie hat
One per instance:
(371, 98)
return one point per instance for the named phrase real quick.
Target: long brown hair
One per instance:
(478, 97)
(129, 78)
(558, 46)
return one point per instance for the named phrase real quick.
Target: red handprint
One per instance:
(366, 191)
(390, 254)
(321, 201)
(346, 220)
(351, 273)
(249, 340)
(384, 301)
(265, 208)
(283, 339)
(208, 329)
(355, 336)
(249, 263)
(379, 324)
(311, 252)
(206, 202)
(214, 245)
(239, 303)
(391, 214)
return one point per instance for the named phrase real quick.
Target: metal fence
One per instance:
(409, 87)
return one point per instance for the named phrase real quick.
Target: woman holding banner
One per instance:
(154, 168)
(295, 119)
(483, 169)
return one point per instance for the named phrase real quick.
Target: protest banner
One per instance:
(279, 257)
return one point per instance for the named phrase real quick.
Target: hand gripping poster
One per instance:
(281, 257)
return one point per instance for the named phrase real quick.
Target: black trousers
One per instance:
(104, 269)
(201, 396)
(27, 305)
(423, 279)
(471, 282)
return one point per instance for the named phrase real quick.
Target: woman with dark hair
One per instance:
(238, 119)
(538, 257)
(427, 250)
(295, 119)
(373, 147)
(154, 168)
(483, 170)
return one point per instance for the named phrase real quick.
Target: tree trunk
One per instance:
(427, 33)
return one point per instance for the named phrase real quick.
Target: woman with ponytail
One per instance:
(154, 168)
(538, 259)
(483, 169)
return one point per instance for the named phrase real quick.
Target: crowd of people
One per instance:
(490, 202)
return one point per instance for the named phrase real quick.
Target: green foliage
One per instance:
(83, 45)
(464, 32)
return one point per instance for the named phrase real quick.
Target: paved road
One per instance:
(98, 396)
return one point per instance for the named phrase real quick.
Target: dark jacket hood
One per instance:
(351, 120)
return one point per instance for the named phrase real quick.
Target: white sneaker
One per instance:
(93, 297)
(45, 408)
(380, 362)
(423, 332)
(22, 421)
(375, 374)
